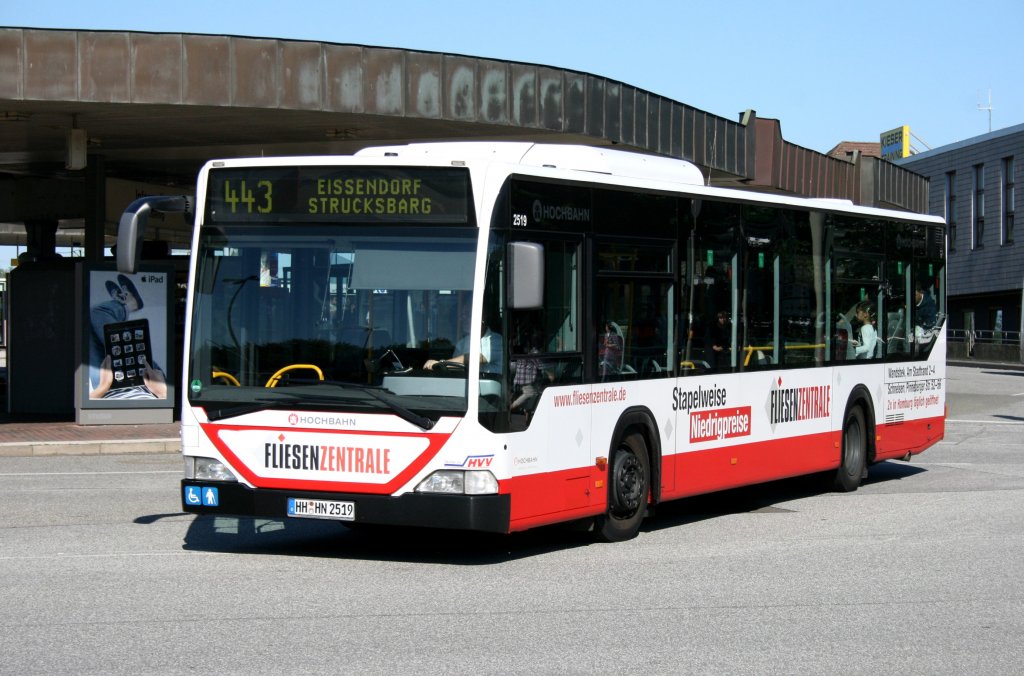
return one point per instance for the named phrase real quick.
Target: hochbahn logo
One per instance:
(795, 404)
(559, 212)
(320, 420)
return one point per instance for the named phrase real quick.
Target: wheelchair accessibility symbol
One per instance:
(197, 495)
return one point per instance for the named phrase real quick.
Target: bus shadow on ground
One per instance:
(329, 539)
(764, 498)
(308, 537)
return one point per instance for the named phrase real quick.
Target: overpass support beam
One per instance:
(42, 240)
(95, 207)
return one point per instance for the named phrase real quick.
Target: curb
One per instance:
(46, 448)
(999, 365)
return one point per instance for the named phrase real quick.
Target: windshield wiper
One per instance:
(265, 404)
(250, 407)
(374, 391)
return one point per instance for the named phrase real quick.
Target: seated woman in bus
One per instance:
(865, 347)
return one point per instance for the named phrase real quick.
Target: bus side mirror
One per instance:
(526, 283)
(132, 227)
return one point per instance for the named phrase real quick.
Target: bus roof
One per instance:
(618, 163)
(589, 163)
(606, 164)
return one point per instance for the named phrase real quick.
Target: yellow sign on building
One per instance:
(896, 143)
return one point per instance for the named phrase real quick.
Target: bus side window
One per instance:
(711, 285)
(759, 301)
(905, 242)
(802, 283)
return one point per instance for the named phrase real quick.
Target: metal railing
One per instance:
(983, 337)
(986, 344)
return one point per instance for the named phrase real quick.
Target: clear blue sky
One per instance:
(830, 71)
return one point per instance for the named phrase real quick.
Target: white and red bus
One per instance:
(497, 336)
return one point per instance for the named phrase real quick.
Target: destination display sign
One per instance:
(338, 194)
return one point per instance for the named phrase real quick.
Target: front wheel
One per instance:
(855, 450)
(629, 485)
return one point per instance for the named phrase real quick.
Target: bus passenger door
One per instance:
(549, 411)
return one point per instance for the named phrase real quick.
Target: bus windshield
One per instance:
(330, 318)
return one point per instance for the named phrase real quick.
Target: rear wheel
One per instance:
(629, 485)
(855, 451)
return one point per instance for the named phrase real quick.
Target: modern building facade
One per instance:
(977, 185)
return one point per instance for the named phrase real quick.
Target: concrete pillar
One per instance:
(867, 191)
(95, 208)
(42, 240)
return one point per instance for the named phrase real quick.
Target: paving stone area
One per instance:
(59, 437)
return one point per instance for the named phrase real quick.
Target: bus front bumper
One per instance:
(487, 513)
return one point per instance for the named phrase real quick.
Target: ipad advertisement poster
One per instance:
(126, 355)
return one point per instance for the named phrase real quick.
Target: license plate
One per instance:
(322, 509)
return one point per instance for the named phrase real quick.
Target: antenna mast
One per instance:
(988, 108)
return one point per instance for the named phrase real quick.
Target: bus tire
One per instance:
(854, 450)
(629, 487)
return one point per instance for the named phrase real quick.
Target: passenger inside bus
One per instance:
(718, 341)
(924, 310)
(609, 350)
(865, 347)
(530, 374)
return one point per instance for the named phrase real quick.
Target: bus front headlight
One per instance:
(207, 469)
(459, 482)
(480, 482)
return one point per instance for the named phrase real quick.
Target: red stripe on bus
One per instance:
(913, 436)
(716, 469)
(540, 499)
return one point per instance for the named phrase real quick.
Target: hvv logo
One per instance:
(473, 462)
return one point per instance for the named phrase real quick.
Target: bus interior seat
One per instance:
(896, 331)
(650, 366)
(894, 324)
(380, 338)
(353, 335)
